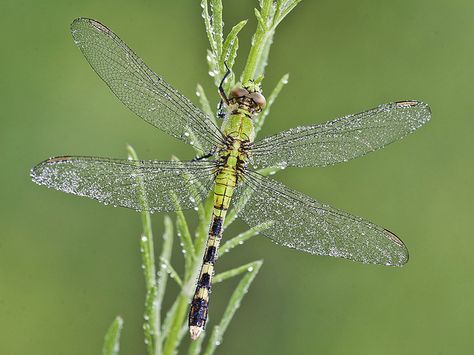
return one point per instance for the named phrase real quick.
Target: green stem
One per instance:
(172, 341)
(258, 42)
(148, 260)
(161, 282)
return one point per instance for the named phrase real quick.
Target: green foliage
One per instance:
(112, 338)
(165, 336)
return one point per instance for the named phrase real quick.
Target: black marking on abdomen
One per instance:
(205, 281)
(210, 255)
(198, 313)
(216, 226)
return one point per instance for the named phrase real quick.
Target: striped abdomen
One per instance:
(225, 183)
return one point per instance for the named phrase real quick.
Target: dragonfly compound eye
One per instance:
(238, 92)
(259, 99)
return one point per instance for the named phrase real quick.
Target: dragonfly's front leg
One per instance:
(205, 156)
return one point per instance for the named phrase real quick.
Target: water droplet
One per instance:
(250, 269)
(144, 238)
(186, 134)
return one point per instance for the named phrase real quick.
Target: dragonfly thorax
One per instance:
(248, 100)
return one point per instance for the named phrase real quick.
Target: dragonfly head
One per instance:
(248, 98)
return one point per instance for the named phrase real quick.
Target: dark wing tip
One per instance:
(78, 22)
(423, 109)
(89, 22)
(404, 256)
(36, 172)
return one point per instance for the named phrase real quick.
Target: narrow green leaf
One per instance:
(196, 345)
(206, 107)
(148, 260)
(162, 280)
(176, 322)
(234, 303)
(165, 328)
(266, 6)
(185, 237)
(112, 338)
(230, 39)
(260, 20)
(208, 25)
(166, 265)
(234, 272)
(242, 237)
(204, 214)
(258, 41)
(260, 119)
(231, 60)
(217, 24)
(288, 8)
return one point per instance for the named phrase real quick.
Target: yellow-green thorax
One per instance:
(239, 133)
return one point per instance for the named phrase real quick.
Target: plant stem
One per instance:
(148, 260)
(172, 341)
(112, 338)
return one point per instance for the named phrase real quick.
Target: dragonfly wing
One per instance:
(297, 221)
(342, 139)
(120, 182)
(140, 89)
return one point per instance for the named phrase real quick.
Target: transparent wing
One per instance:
(299, 222)
(342, 139)
(140, 89)
(119, 182)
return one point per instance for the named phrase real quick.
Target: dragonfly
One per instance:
(228, 166)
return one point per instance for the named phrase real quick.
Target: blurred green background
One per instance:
(68, 265)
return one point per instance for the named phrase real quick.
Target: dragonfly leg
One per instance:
(205, 156)
(220, 109)
(222, 94)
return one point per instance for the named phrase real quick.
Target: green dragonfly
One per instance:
(228, 164)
